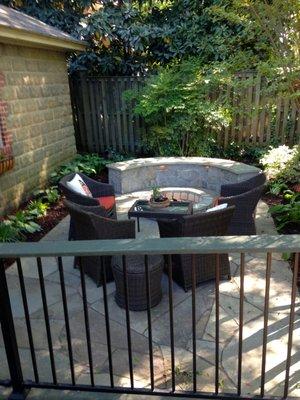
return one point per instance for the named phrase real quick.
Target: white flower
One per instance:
(276, 159)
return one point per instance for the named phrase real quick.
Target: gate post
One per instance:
(10, 341)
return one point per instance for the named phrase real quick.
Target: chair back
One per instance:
(73, 196)
(213, 223)
(82, 222)
(234, 189)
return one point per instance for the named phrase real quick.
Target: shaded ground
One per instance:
(205, 317)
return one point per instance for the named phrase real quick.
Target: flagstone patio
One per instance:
(280, 292)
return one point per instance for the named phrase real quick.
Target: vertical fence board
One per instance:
(286, 106)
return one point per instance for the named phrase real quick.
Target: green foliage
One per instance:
(276, 187)
(282, 164)
(156, 195)
(9, 233)
(37, 208)
(64, 15)
(49, 195)
(23, 222)
(179, 110)
(287, 214)
(88, 164)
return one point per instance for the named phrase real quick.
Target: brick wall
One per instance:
(36, 119)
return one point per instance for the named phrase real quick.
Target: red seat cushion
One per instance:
(107, 202)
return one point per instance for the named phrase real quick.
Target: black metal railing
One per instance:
(167, 247)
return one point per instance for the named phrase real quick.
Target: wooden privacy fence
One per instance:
(104, 120)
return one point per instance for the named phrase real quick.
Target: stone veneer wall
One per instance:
(36, 119)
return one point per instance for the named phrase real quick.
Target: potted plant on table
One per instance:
(158, 200)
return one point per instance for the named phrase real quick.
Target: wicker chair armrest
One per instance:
(96, 210)
(112, 229)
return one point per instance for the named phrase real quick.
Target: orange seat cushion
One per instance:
(107, 202)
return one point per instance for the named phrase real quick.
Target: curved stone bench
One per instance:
(197, 172)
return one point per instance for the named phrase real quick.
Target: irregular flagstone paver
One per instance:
(255, 267)
(275, 360)
(39, 333)
(53, 294)
(182, 315)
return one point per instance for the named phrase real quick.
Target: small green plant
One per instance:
(155, 193)
(9, 233)
(277, 187)
(50, 195)
(37, 208)
(157, 196)
(23, 222)
(183, 376)
(287, 214)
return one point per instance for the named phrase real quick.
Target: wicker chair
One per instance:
(97, 189)
(89, 224)
(234, 189)
(214, 223)
(243, 220)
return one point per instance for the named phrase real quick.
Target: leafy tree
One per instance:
(186, 101)
(63, 14)
(137, 37)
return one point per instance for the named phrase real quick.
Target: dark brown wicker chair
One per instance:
(89, 224)
(97, 189)
(234, 189)
(243, 220)
(214, 223)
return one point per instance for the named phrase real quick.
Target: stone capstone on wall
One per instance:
(39, 118)
(197, 172)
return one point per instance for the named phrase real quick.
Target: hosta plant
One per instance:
(287, 214)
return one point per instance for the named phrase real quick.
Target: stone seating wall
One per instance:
(197, 172)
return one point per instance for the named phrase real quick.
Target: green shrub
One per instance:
(178, 109)
(88, 164)
(282, 163)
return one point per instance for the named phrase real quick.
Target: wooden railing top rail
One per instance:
(185, 245)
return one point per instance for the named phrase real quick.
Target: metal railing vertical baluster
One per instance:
(241, 322)
(107, 324)
(27, 319)
(170, 284)
(148, 291)
(124, 262)
(265, 331)
(66, 317)
(46, 316)
(217, 327)
(194, 322)
(86, 322)
(9, 337)
(291, 325)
